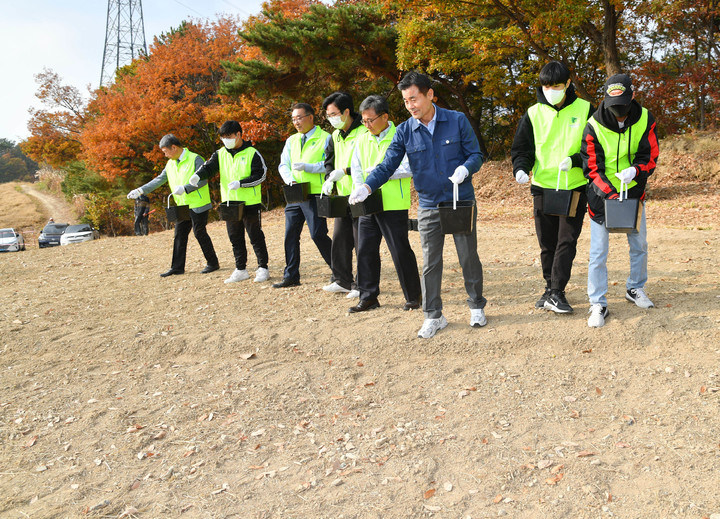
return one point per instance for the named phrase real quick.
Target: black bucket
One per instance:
(177, 213)
(560, 202)
(297, 192)
(459, 220)
(372, 204)
(332, 206)
(231, 211)
(412, 224)
(622, 215)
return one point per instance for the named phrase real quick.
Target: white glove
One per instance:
(461, 173)
(521, 177)
(135, 193)
(180, 190)
(359, 194)
(299, 166)
(235, 184)
(626, 175)
(194, 180)
(565, 164)
(335, 175)
(327, 187)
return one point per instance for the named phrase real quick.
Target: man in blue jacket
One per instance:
(442, 150)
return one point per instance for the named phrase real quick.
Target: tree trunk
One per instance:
(610, 50)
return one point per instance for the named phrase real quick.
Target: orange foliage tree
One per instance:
(172, 90)
(55, 130)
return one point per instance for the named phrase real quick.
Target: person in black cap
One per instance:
(142, 211)
(619, 148)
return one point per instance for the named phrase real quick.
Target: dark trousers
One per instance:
(251, 224)
(393, 226)
(296, 214)
(557, 236)
(141, 225)
(344, 240)
(198, 224)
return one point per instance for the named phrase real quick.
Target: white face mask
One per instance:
(336, 121)
(229, 143)
(553, 96)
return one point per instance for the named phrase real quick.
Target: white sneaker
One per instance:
(477, 317)
(353, 294)
(334, 287)
(237, 275)
(261, 274)
(598, 313)
(431, 326)
(639, 297)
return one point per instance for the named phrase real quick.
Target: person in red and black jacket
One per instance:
(619, 148)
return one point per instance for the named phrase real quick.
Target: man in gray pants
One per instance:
(443, 153)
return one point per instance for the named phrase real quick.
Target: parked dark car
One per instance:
(50, 235)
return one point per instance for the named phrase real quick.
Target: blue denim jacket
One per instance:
(433, 158)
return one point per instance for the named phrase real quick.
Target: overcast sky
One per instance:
(68, 37)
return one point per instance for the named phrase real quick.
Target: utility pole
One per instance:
(124, 37)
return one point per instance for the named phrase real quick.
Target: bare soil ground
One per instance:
(125, 393)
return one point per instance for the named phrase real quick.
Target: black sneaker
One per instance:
(541, 302)
(557, 303)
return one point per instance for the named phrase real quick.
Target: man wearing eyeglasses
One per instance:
(392, 222)
(303, 160)
(339, 110)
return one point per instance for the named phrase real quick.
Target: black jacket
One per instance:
(644, 158)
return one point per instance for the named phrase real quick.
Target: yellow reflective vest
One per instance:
(396, 192)
(237, 167)
(178, 174)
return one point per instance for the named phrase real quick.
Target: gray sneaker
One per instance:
(431, 326)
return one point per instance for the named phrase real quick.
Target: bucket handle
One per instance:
(168, 200)
(455, 195)
(623, 187)
(557, 186)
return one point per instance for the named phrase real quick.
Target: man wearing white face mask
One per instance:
(348, 126)
(547, 144)
(242, 170)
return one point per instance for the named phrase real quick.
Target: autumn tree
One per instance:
(55, 129)
(14, 165)
(678, 67)
(171, 90)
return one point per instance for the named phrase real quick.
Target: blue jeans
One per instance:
(296, 214)
(597, 269)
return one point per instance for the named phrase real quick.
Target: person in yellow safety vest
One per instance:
(242, 171)
(392, 222)
(302, 160)
(181, 165)
(338, 108)
(619, 147)
(547, 144)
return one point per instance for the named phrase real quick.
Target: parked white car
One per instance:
(78, 233)
(11, 241)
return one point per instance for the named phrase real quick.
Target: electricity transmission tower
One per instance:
(124, 37)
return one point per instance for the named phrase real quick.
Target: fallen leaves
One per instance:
(31, 442)
(429, 493)
(555, 479)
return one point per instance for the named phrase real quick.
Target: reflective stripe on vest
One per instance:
(343, 156)
(311, 153)
(618, 146)
(557, 134)
(179, 173)
(396, 192)
(237, 167)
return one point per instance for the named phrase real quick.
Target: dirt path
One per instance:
(55, 207)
